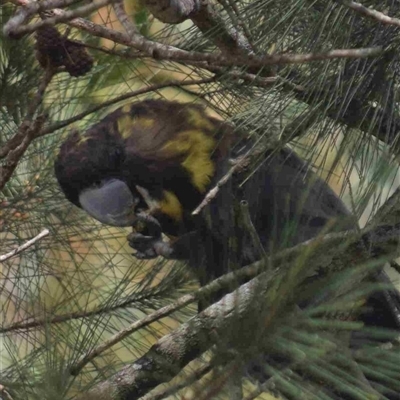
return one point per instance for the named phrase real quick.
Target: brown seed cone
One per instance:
(50, 47)
(77, 61)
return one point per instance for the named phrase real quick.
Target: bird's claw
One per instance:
(149, 247)
(147, 225)
(146, 238)
(149, 254)
(143, 244)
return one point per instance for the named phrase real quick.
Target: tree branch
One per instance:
(173, 12)
(123, 18)
(15, 26)
(349, 116)
(166, 52)
(206, 18)
(228, 40)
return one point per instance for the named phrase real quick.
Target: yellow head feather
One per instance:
(196, 146)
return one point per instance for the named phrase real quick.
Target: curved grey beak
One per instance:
(111, 203)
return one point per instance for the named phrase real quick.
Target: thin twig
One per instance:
(237, 19)
(248, 224)
(28, 10)
(40, 322)
(4, 393)
(45, 5)
(212, 287)
(25, 246)
(239, 163)
(371, 13)
(212, 193)
(253, 79)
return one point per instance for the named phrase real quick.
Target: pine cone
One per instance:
(77, 60)
(50, 47)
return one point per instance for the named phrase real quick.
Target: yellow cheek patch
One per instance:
(196, 147)
(171, 206)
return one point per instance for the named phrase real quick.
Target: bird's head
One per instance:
(88, 169)
(154, 156)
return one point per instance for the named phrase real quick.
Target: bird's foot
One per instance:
(146, 238)
(148, 247)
